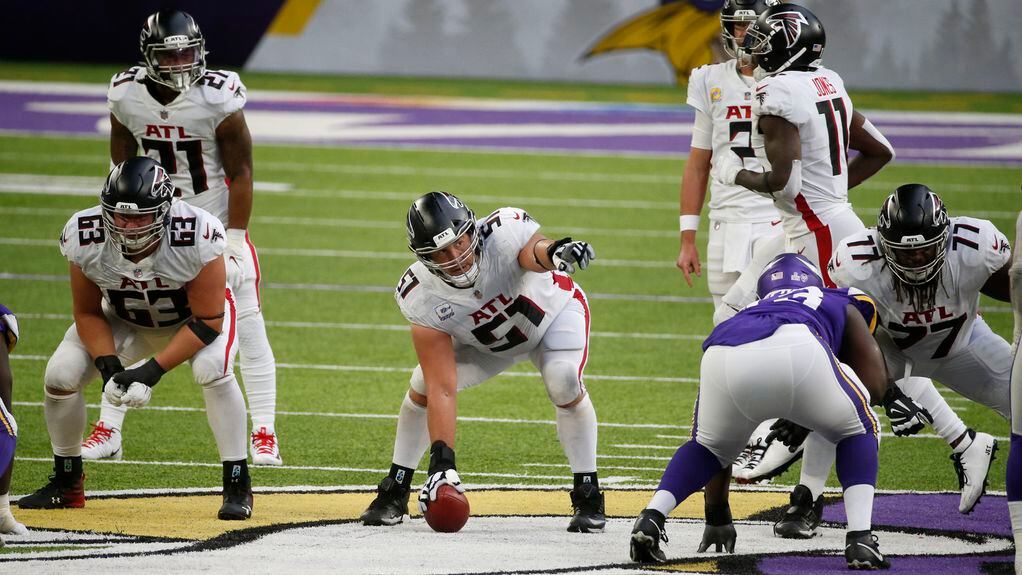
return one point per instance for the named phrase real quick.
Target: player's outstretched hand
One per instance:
(429, 490)
(567, 254)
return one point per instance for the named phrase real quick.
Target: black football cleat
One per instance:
(587, 503)
(863, 552)
(390, 505)
(802, 517)
(237, 504)
(647, 533)
(60, 492)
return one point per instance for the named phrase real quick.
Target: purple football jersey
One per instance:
(822, 310)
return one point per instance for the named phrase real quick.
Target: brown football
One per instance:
(449, 513)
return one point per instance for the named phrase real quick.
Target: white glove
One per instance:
(446, 477)
(726, 169)
(234, 257)
(113, 392)
(565, 254)
(9, 525)
(138, 395)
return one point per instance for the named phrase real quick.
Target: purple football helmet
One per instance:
(788, 271)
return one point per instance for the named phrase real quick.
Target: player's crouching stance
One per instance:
(8, 426)
(798, 353)
(484, 296)
(147, 279)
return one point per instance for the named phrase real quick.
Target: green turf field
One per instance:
(341, 351)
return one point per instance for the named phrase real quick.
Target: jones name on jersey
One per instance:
(975, 250)
(817, 104)
(724, 95)
(182, 134)
(508, 310)
(150, 293)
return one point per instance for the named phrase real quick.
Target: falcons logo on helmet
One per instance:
(791, 23)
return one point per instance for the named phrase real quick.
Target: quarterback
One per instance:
(190, 119)
(483, 296)
(148, 290)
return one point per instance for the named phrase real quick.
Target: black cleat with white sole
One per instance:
(587, 503)
(390, 505)
(647, 533)
(863, 552)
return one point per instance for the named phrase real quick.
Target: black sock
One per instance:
(236, 471)
(402, 475)
(583, 478)
(67, 467)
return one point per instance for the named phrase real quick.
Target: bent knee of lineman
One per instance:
(208, 370)
(65, 376)
(563, 386)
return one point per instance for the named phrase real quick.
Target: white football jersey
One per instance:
(508, 310)
(817, 104)
(975, 250)
(150, 293)
(721, 92)
(182, 134)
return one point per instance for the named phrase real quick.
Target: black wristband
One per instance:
(554, 245)
(717, 515)
(108, 366)
(149, 372)
(441, 457)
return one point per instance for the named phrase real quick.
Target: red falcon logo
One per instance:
(791, 23)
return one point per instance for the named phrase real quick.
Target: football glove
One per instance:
(429, 490)
(719, 530)
(726, 170)
(10, 322)
(907, 417)
(566, 254)
(234, 257)
(133, 387)
(789, 433)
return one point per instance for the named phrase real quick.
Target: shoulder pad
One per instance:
(222, 87)
(855, 258)
(979, 244)
(122, 82)
(84, 230)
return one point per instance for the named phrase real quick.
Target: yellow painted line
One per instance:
(194, 516)
(292, 17)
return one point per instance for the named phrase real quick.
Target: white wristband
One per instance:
(688, 222)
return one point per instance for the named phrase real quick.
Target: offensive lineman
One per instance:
(147, 279)
(926, 271)
(803, 352)
(484, 296)
(190, 119)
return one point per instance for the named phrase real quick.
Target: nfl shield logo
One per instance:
(138, 273)
(164, 115)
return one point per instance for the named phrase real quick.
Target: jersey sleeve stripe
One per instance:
(873, 305)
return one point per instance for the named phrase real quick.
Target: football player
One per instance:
(803, 352)
(1014, 476)
(190, 119)
(926, 271)
(804, 125)
(147, 280)
(740, 223)
(8, 426)
(483, 296)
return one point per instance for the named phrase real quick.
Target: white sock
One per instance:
(663, 501)
(946, 422)
(817, 459)
(258, 370)
(225, 411)
(576, 428)
(412, 438)
(65, 421)
(1015, 511)
(859, 507)
(111, 415)
(5, 502)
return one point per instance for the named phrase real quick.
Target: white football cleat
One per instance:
(751, 455)
(264, 448)
(972, 466)
(9, 525)
(103, 443)
(768, 461)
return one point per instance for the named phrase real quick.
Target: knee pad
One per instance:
(68, 373)
(417, 382)
(208, 369)
(562, 383)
